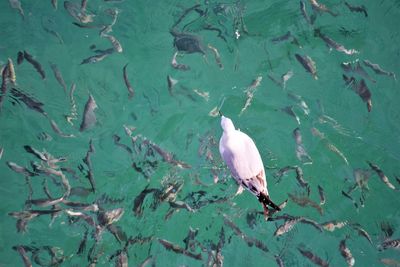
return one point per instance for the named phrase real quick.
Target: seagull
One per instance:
(244, 161)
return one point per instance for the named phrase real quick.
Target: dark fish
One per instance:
(35, 64)
(300, 179)
(95, 58)
(58, 76)
(123, 146)
(48, 25)
(177, 249)
(190, 239)
(289, 110)
(171, 83)
(321, 195)
(127, 83)
(387, 229)
(89, 117)
(138, 201)
(80, 191)
(20, 57)
(282, 38)
(54, 4)
(308, 64)
(28, 101)
(349, 197)
(377, 69)
(87, 160)
(346, 253)
(167, 156)
(304, 13)
(108, 217)
(361, 232)
(312, 257)
(334, 45)
(84, 4)
(381, 175)
(359, 9)
(188, 43)
(22, 252)
(36, 153)
(394, 243)
(82, 244)
(4, 83)
(361, 89)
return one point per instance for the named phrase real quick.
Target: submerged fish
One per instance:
(322, 8)
(313, 257)
(308, 64)
(127, 83)
(304, 13)
(177, 249)
(334, 45)
(29, 101)
(304, 201)
(217, 56)
(378, 70)
(16, 4)
(77, 12)
(361, 89)
(35, 64)
(58, 76)
(177, 65)
(301, 152)
(359, 9)
(89, 117)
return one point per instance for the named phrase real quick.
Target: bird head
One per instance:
(227, 124)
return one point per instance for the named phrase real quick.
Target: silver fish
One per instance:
(378, 70)
(381, 175)
(1, 152)
(177, 249)
(301, 152)
(95, 58)
(115, 43)
(346, 253)
(58, 131)
(322, 8)
(19, 169)
(250, 93)
(334, 45)
(89, 117)
(58, 76)
(287, 226)
(304, 13)
(217, 56)
(16, 4)
(127, 83)
(333, 225)
(73, 113)
(393, 243)
(178, 66)
(76, 12)
(308, 64)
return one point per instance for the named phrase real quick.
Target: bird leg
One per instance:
(266, 201)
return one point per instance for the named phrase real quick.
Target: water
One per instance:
(180, 124)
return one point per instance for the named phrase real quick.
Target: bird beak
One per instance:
(220, 113)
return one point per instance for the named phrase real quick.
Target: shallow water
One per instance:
(178, 121)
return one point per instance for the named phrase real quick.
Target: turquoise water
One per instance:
(180, 124)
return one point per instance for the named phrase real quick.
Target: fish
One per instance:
(304, 13)
(346, 253)
(308, 64)
(58, 131)
(36, 153)
(177, 249)
(122, 259)
(1, 152)
(333, 225)
(358, 9)
(82, 244)
(19, 169)
(20, 57)
(322, 8)
(16, 4)
(313, 257)
(127, 83)
(285, 77)
(321, 195)
(94, 59)
(11, 71)
(393, 243)
(77, 13)
(106, 218)
(361, 89)
(361, 232)
(38, 67)
(115, 43)
(300, 179)
(30, 102)
(167, 156)
(54, 4)
(178, 66)
(381, 175)
(289, 110)
(250, 93)
(301, 152)
(305, 201)
(347, 67)
(73, 113)
(390, 262)
(188, 43)
(349, 197)
(87, 160)
(138, 201)
(58, 76)
(334, 45)
(48, 25)
(378, 70)
(171, 84)
(287, 226)
(89, 117)
(4, 86)
(22, 252)
(282, 38)
(217, 56)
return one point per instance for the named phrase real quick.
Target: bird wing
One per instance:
(244, 161)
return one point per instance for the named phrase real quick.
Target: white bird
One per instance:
(244, 161)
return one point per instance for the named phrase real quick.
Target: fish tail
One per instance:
(266, 201)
